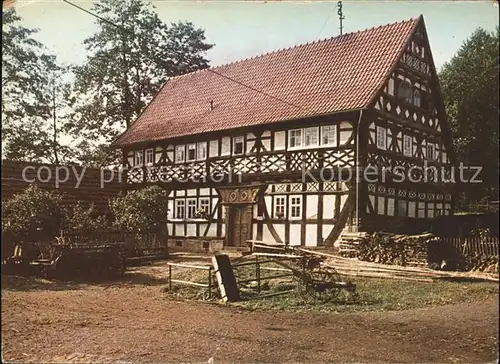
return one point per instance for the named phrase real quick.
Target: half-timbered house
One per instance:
(269, 148)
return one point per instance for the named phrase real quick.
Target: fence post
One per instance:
(257, 272)
(210, 283)
(169, 278)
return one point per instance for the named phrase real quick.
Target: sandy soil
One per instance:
(134, 321)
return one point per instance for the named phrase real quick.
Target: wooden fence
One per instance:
(137, 243)
(475, 246)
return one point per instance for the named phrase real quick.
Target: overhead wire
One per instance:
(182, 56)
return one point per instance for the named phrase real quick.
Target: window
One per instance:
(179, 153)
(416, 98)
(311, 137)
(328, 135)
(238, 145)
(295, 138)
(295, 207)
(430, 151)
(149, 156)
(179, 209)
(405, 91)
(205, 205)
(279, 207)
(191, 208)
(139, 158)
(201, 151)
(381, 138)
(191, 152)
(407, 145)
(402, 208)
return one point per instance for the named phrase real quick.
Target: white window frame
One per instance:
(150, 156)
(407, 145)
(295, 207)
(325, 129)
(417, 99)
(139, 157)
(201, 151)
(180, 153)
(312, 133)
(238, 140)
(190, 147)
(191, 207)
(381, 134)
(180, 203)
(205, 202)
(295, 138)
(281, 205)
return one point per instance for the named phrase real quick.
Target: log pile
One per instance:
(483, 263)
(387, 248)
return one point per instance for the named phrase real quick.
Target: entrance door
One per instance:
(239, 227)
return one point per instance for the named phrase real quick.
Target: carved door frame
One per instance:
(238, 202)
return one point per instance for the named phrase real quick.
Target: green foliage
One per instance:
(126, 66)
(29, 92)
(470, 89)
(141, 210)
(85, 219)
(33, 210)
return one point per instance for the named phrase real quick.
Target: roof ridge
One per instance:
(292, 47)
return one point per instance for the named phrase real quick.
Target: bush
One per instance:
(141, 210)
(85, 219)
(31, 211)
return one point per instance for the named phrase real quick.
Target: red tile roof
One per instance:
(327, 76)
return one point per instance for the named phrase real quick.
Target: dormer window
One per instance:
(238, 143)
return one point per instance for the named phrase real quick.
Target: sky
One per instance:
(243, 29)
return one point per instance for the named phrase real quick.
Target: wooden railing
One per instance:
(475, 246)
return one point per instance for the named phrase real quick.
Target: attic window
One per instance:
(405, 92)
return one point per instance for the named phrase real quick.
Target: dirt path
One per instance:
(134, 322)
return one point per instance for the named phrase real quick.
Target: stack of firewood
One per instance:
(483, 263)
(387, 248)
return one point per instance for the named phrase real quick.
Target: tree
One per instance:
(469, 83)
(130, 57)
(33, 211)
(141, 210)
(30, 79)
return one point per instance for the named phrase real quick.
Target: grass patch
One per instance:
(384, 295)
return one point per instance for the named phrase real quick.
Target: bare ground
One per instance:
(134, 321)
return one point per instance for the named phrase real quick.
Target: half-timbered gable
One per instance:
(267, 148)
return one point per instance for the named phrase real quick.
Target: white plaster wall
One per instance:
(311, 234)
(179, 229)
(212, 230)
(328, 206)
(327, 228)
(226, 146)
(279, 140)
(294, 234)
(191, 229)
(312, 206)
